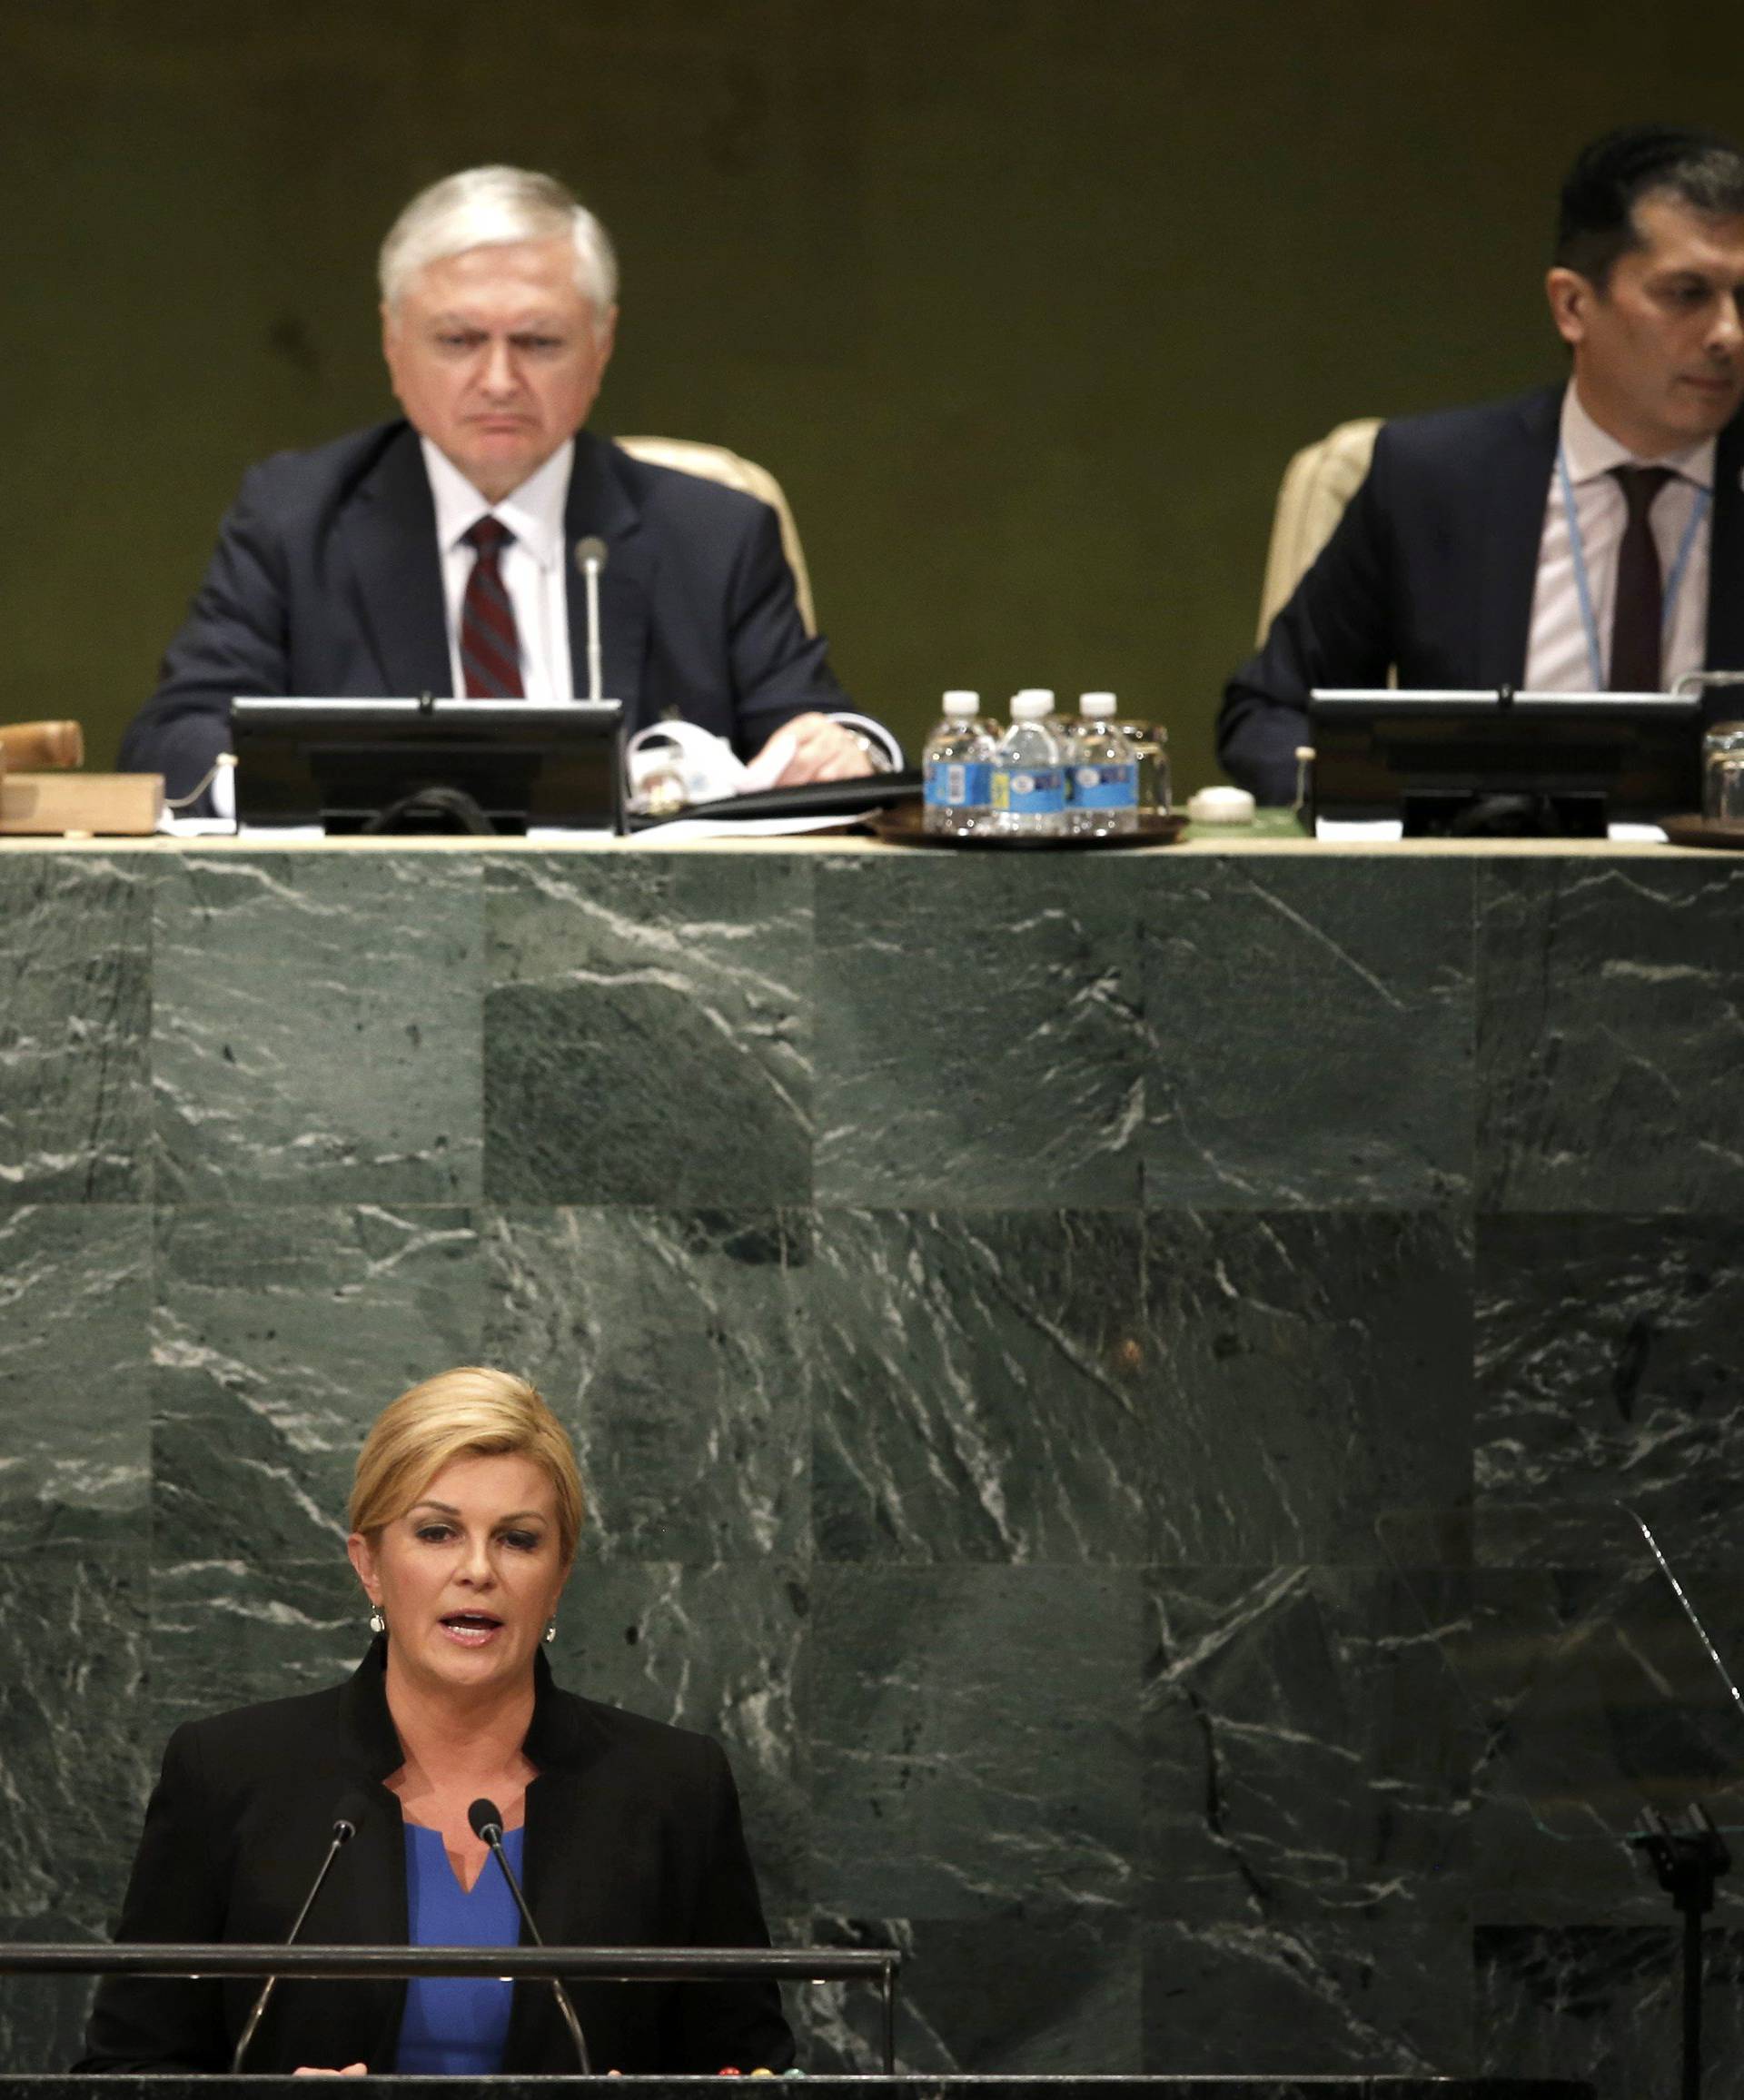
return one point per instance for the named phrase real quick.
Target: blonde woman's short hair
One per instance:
(467, 1413)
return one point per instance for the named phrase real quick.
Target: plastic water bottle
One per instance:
(1104, 767)
(1150, 745)
(1059, 725)
(1029, 773)
(957, 767)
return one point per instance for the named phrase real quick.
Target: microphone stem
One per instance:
(493, 1839)
(595, 676)
(259, 2007)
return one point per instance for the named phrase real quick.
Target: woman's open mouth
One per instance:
(470, 1629)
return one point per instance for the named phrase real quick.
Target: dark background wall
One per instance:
(1027, 300)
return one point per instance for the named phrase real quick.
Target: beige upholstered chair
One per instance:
(715, 464)
(1317, 484)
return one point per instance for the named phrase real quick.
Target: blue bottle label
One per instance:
(958, 784)
(1030, 790)
(1104, 788)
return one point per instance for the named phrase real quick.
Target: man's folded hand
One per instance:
(822, 750)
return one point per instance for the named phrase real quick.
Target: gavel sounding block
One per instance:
(49, 805)
(42, 796)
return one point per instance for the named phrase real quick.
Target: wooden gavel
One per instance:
(41, 746)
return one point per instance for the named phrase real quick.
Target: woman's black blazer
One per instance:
(633, 1839)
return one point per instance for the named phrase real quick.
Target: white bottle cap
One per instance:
(1096, 706)
(1034, 692)
(1031, 705)
(961, 705)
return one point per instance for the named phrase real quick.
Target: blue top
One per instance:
(456, 2024)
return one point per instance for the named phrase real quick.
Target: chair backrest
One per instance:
(715, 464)
(1317, 484)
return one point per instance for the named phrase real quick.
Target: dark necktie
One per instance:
(489, 644)
(1635, 625)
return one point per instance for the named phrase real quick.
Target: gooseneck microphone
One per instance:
(350, 1811)
(487, 1825)
(590, 560)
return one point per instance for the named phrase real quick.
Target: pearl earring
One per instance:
(551, 1630)
(377, 1623)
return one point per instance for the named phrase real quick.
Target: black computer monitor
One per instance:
(1494, 762)
(429, 765)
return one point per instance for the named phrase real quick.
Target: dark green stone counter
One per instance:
(1065, 1348)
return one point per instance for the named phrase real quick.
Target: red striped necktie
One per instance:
(490, 643)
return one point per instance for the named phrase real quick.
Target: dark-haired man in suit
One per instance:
(1584, 538)
(433, 554)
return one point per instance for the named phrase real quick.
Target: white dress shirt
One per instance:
(1557, 655)
(535, 572)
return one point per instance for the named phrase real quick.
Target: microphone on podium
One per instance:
(590, 560)
(351, 1812)
(487, 1825)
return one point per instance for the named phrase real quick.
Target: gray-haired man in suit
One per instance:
(434, 553)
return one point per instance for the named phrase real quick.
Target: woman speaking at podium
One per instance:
(465, 1516)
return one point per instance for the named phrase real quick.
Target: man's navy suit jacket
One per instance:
(1432, 571)
(327, 584)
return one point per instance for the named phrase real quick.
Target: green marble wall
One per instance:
(1027, 300)
(1104, 1383)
